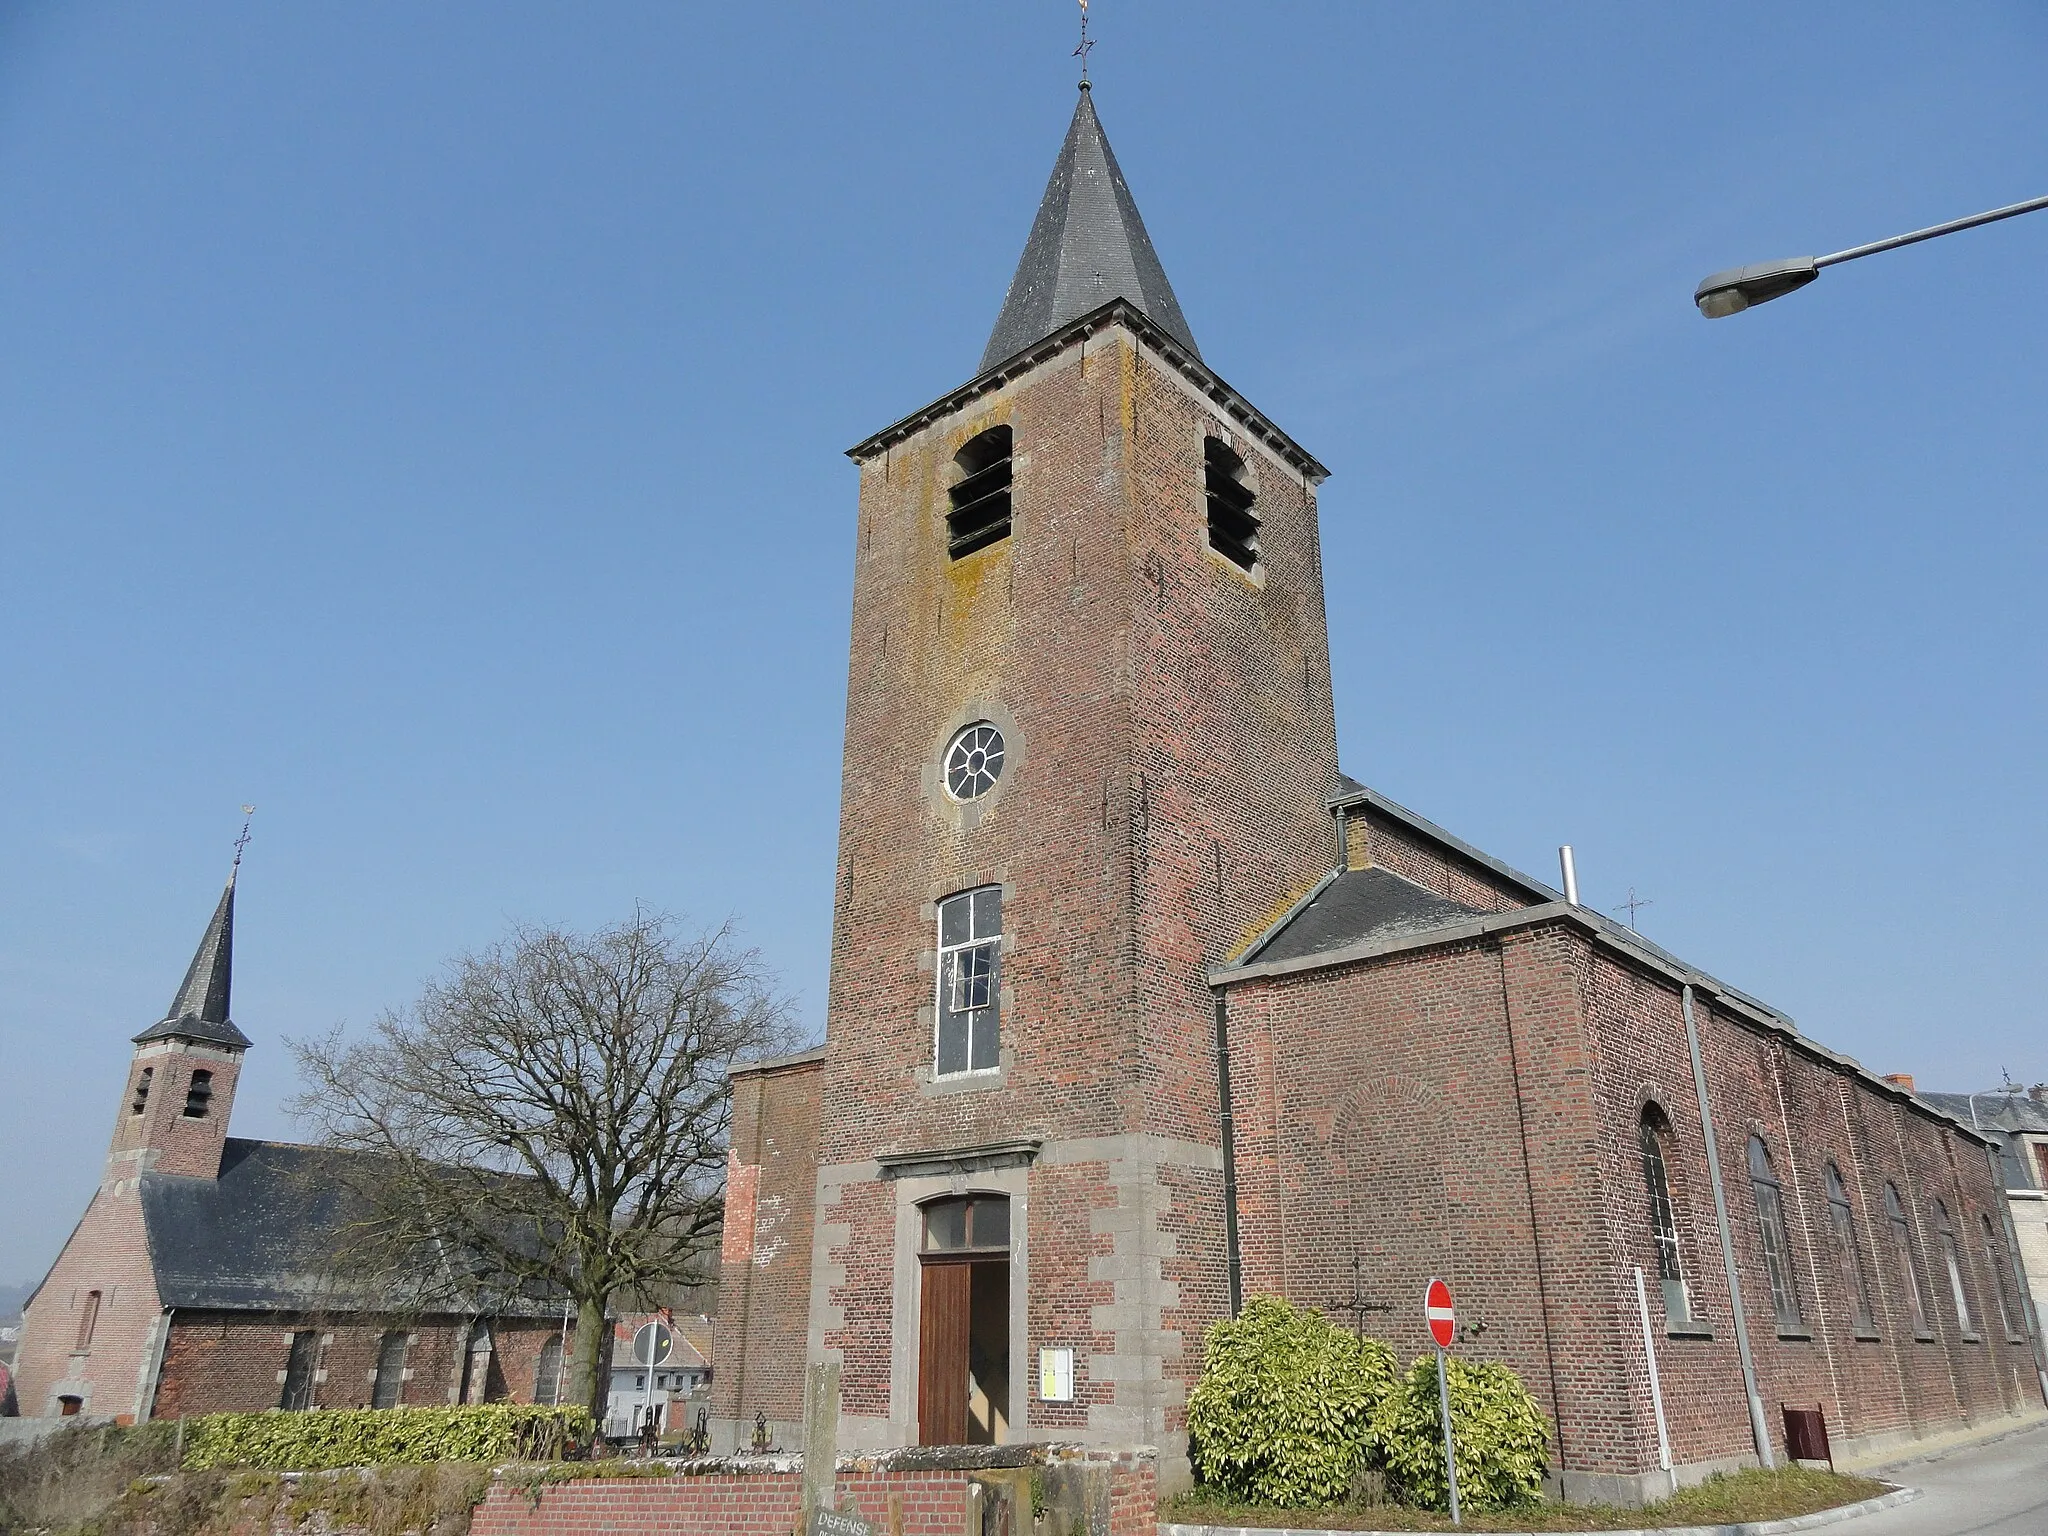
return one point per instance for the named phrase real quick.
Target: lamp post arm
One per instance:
(2031, 205)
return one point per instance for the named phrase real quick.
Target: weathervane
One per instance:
(242, 842)
(1087, 43)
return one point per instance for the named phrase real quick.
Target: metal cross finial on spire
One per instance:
(1087, 43)
(248, 813)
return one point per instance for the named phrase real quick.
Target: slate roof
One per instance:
(1087, 246)
(200, 1010)
(265, 1234)
(2000, 1116)
(1355, 906)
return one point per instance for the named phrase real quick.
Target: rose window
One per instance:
(974, 761)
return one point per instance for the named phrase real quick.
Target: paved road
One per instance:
(1999, 1489)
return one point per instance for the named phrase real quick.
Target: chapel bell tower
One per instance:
(173, 1117)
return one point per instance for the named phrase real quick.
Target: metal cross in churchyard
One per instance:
(1359, 1305)
(1634, 901)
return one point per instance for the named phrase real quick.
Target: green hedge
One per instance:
(322, 1439)
(1500, 1433)
(1282, 1414)
(1294, 1411)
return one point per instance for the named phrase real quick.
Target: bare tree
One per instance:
(549, 1119)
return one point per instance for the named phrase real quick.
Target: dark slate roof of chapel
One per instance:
(1087, 246)
(270, 1233)
(200, 1010)
(1355, 906)
(266, 1233)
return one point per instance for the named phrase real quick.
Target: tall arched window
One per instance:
(1848, 1254)
(199, 1095)
(1945, 1234)
(2001, 1271)
(1654, 1135)
(1902, 1255)
(1770, 1221)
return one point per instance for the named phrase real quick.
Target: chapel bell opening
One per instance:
(963, 1355)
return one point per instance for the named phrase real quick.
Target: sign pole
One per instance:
(1442, 1319)
(1443, 1390)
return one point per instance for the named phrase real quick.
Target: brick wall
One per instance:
(1471, 1110)
(108, 1254)
(765, 1270)
(899, 1502)
(233, 1362)
(163, 1138)
(1372, 838)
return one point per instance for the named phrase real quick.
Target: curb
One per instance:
(1818, 1518)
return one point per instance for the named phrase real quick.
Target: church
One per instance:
(208, 1272)
(1140, 1006)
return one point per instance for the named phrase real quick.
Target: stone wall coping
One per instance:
(1897, 1496)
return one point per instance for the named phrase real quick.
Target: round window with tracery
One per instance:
(974, 762)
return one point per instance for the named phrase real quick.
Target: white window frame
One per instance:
(942, 979)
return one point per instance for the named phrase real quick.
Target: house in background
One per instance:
(661, 1373)
(2017, 1120)
(206, 1274)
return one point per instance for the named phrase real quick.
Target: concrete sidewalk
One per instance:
(1990, 1488)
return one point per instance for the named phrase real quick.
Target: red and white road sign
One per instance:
(1436, 1310)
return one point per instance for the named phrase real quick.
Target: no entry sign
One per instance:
(1437, 1312)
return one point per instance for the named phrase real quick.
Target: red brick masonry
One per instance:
(902, 1493)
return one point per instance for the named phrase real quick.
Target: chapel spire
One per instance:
(200, 1010)
(1088, 245)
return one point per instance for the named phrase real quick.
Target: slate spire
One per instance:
(200, 1010)
(1087, 246)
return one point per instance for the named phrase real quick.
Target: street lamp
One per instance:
(1740, 288)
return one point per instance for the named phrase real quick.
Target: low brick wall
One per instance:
(953, 1491)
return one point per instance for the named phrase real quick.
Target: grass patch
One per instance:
(1729, 1499)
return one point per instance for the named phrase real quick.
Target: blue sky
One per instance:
(426, 423)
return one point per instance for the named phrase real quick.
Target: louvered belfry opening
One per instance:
(1233, 526)
(980, 499)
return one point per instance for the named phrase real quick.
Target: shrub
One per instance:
(1283, 1412)
(322, 1439)
(73, 1476)
(1500, 1432)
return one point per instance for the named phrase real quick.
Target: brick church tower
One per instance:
(1089, 748)
(94, 1331)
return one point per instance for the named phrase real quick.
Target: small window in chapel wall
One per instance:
(199, 1095)
(969, 982)
(142, 1091)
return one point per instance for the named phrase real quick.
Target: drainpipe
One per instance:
(1758, 1429)
(1228, 1127)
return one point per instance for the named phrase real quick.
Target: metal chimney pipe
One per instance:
(1571, 874)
